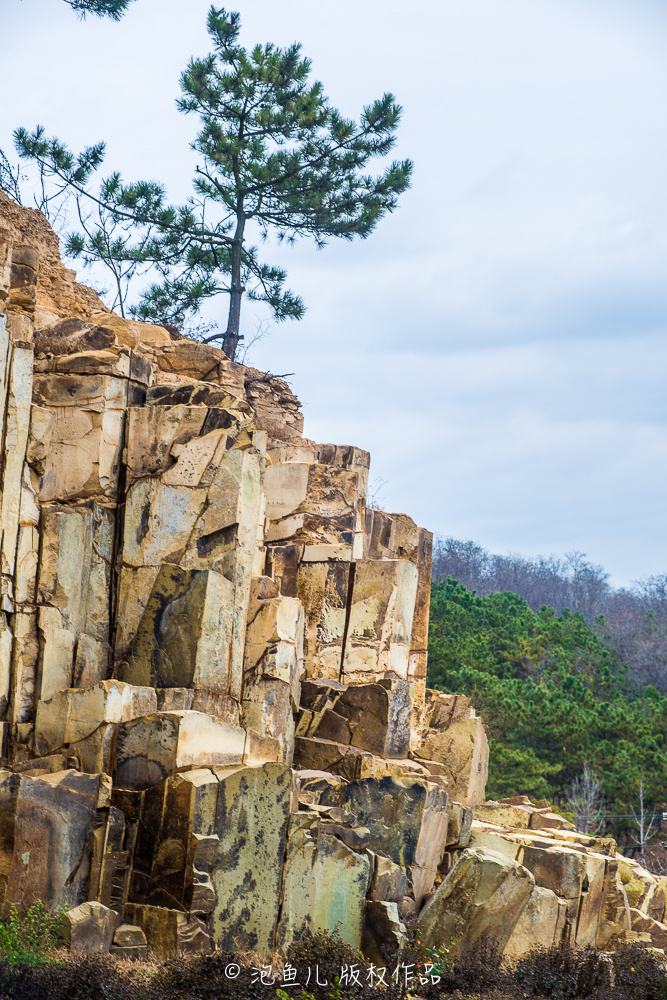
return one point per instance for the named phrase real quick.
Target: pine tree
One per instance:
(100, 8)
(276, 159)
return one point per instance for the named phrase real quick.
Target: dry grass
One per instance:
(632, 973)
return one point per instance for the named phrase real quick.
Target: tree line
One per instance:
(631, 622)
(556, 701)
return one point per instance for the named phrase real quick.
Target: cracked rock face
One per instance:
(214, 725)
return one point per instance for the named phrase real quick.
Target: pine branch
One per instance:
(100, 8)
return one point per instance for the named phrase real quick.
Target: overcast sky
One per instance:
(498, 344)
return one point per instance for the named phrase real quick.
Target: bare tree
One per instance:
(262, 330)
(589, 586)
(586, 802)
(375, 498)
(10, 178)
(645, 823)
(464, 561)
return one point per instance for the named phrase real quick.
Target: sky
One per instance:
(498, 343)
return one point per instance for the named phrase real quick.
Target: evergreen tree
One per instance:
(276, 159)
(553, 699)
(100, 8)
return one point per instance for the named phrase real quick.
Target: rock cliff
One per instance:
(215, 729)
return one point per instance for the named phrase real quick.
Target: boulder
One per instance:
(322, 589)
(544, 819)
(89, 928)
(373, 717)
(52, 844)
(129, 942)
(129, 936)
(504, 814)
(77, 448)
(274, 637)
(463, 748)
(110, 865)
(176, 841)
(653, 903)
(348, 762)
(184, 637)
(93, 754)
(495, 838)
(560, 869)
(643, 924)
(312, 504)
(170, 932)
(540, 923)
(73, 715)
(382, 605)
(311, 785)
(389, 881)
(591, 906)
(273, 664)
(483, 897)
(459, 825)
(200, 519)
(251, 819)
(72, 585)
(614, 920)
(172, 440)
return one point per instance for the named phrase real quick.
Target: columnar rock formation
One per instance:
(215, 727)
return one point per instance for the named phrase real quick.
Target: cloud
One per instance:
(499, 342)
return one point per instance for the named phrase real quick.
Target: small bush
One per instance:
(26, 940)
(205, 978)
(638, 975)
(631, 973)
(326, 955)
(560, 973)
(477, 969)
(81, 978)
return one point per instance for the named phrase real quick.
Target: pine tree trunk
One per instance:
(230, 341)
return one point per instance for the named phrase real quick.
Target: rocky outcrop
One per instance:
(214, 725)
(582, 891)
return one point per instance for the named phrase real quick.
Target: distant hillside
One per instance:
(552, 695)
(630, 621)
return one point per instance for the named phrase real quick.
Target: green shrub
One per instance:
(26, 940)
